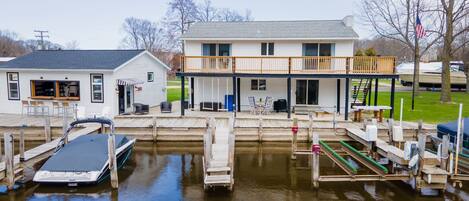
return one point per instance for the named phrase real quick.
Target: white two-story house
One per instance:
(305, 64)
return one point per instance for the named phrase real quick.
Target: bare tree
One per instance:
(72, 45)
(10, 46)
(454, 12)
(396, 20)
(142, 34)
(230, 15)
(206, 12)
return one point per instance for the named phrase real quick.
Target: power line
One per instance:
(41, 34)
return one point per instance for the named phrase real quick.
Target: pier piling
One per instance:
(9, 157)
(47, 131)
(21, 143)
(294, 129)
(113, 161)
(155, 129)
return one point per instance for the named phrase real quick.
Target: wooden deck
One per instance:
(289, 65)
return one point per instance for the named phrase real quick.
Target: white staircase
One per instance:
(218, 154)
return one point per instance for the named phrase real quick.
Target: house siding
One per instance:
(25, 77)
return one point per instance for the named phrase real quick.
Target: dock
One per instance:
(37, 155)
(218, 160)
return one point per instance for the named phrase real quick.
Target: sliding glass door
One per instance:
(212, 49)
(317, 56)
(307, 92)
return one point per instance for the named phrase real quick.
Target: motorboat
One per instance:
(84, 160)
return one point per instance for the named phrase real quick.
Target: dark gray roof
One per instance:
(323, 29)
(72, 59)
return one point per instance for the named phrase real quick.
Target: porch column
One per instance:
(338, 96)
(182, 94)
(192, 92)
(393, 88)
(289, 96)
(347, 88)
(376, 92)
(234, 95)
(238, 87)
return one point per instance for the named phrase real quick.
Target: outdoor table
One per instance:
(377, 111)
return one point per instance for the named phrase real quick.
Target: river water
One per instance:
(173, 171)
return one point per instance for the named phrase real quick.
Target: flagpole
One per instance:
(416, 62)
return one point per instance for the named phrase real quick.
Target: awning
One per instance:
(129, 81)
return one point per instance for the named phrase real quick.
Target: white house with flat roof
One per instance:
(90, 79)
(306, 64)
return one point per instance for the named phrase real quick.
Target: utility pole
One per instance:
(41, 34)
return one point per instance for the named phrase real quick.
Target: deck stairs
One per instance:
(360, 92)
(218, 154)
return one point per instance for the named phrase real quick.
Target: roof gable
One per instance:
(73, 59)
(307, 29)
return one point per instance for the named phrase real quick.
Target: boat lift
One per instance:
(384, 160)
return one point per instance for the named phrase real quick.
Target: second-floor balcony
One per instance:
(289, 65)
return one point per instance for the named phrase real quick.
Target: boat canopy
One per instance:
(86, 153)
(452, 127)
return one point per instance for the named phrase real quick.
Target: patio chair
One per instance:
(267, 105)
(254, 108)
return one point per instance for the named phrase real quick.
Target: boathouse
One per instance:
(90, 79)
(289, 66)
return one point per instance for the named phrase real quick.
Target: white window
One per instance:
(13, 86)
(97, 90)
(258, 85)
(267, 49)
(150, 77)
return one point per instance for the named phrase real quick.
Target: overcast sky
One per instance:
(96, 24)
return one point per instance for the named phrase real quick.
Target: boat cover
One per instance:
(85, 153)
(451, 130)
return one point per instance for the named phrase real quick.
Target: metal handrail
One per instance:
(100, 120)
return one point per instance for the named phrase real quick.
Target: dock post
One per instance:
(294, 129)
(112, 161)
(334, 122)
(155, 129)
(444, 152)
(260, 130)
(316, 149)
(21, 146)
(9, 160)
(47, 131)
(460, 134)
(65, 124)
(390, 131)
(421, 145)
(310, 126)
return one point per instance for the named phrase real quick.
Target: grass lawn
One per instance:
(427, 106)
(174, 94)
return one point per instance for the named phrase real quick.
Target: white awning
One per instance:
(129, 81)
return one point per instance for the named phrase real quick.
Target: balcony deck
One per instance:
(363, 65)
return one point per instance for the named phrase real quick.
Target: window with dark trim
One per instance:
(258, 85)
(150, 77)
(13, 85)
(97, 88)
(55, 89)
(267, 49)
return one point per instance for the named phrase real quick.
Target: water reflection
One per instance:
(173, 171)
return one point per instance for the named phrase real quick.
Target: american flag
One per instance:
(419, 28)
